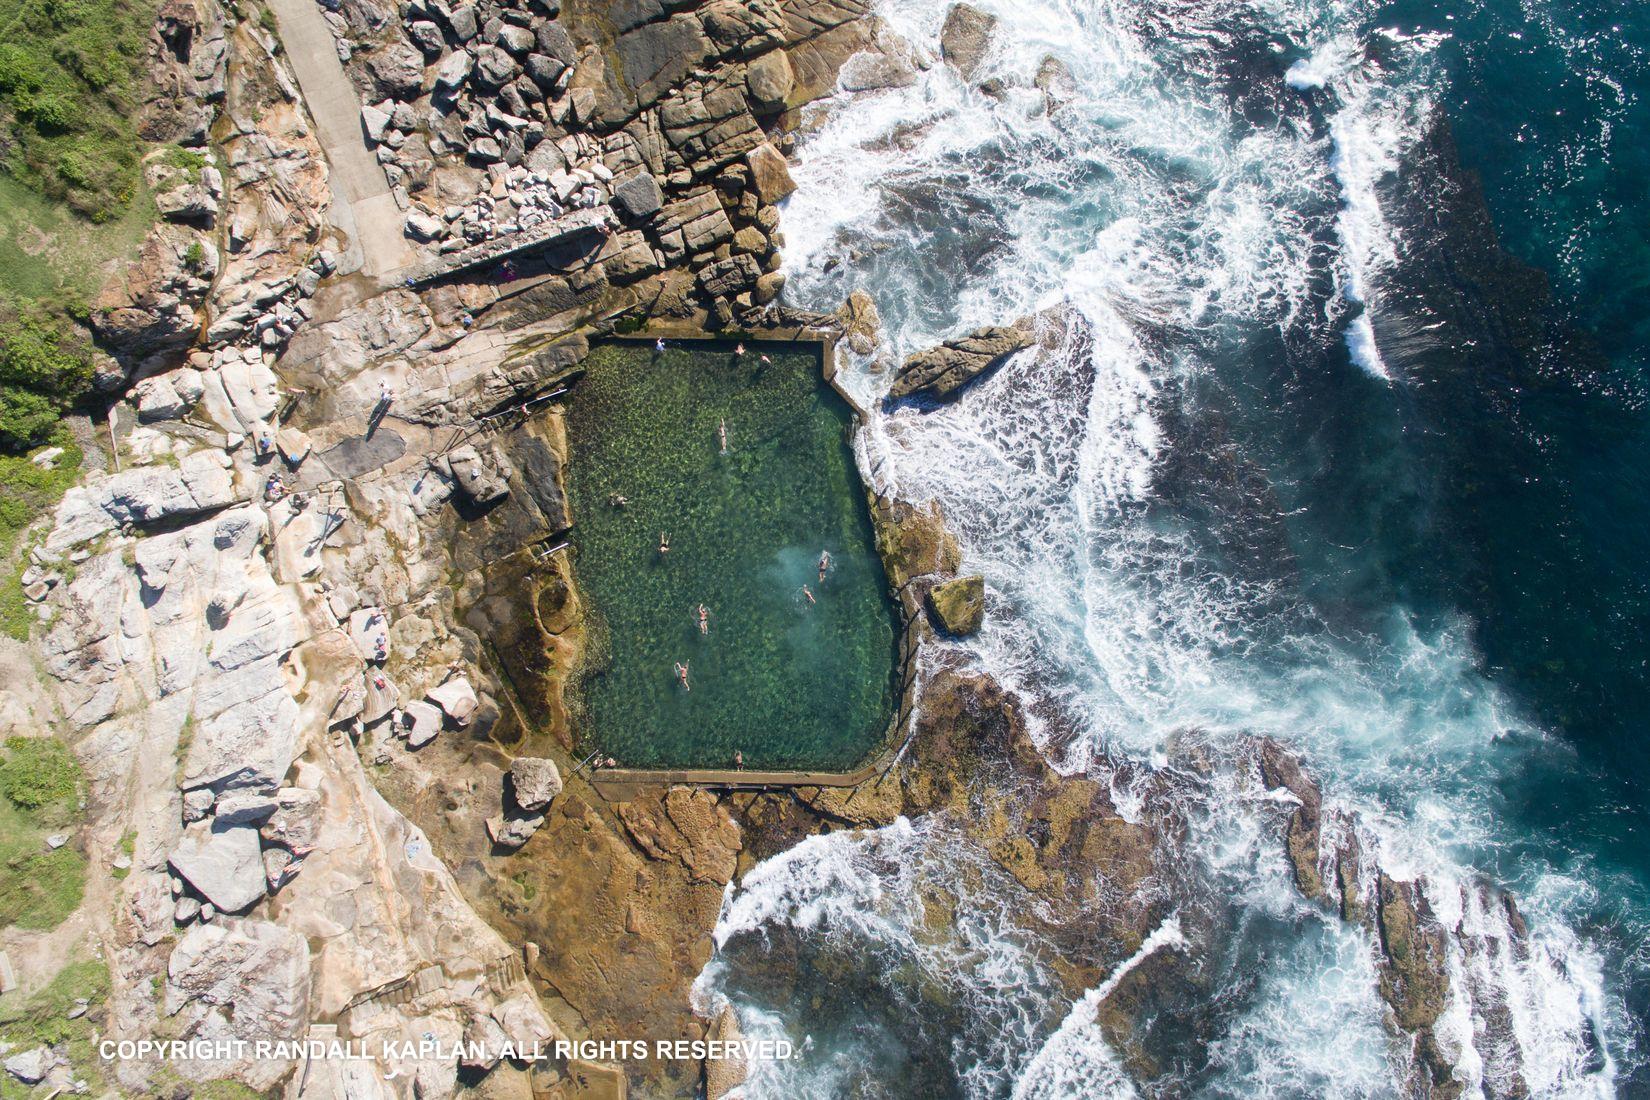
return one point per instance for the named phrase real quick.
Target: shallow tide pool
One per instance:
(788, 682)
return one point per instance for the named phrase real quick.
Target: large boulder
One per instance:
(638, 197)
(536, 781)
(769, 80)
(770, 175)
(958, 605)
(253, 976)
(457, 700)
(939, 373)
(724, 1075)
(221, 861)
(397, 71)
(966, 37)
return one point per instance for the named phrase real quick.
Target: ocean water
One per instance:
(1345, 444)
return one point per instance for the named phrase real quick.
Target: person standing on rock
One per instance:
(682, 675)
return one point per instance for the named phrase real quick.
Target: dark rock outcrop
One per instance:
(939, 373)
(958, 605)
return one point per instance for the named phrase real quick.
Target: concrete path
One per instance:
(365, 209)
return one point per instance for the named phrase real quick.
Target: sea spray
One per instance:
(1075, 1060)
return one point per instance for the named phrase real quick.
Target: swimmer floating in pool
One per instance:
(824, 564)
(704, 620)
(681, 675)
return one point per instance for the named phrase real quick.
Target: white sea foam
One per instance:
(1160, 221)
(1076, 1061)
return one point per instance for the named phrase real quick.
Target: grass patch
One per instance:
(69, 78)
(26, 493)
(39, 774)
(41, 783)
(43, 1019)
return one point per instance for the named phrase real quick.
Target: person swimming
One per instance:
(808, 594)
(659, 344)
(739, 350)
(704, 620)
(664, 543)
(722, 432)
(617, 500)
(682, 675)
(824, 564)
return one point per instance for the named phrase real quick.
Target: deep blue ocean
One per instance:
(1346, 444)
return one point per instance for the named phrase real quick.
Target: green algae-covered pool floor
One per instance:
(789, 683)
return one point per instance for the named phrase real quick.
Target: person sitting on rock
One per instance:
(682, 675)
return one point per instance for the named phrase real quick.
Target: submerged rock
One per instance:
(966, 37)
(940, 372)
(958, 605)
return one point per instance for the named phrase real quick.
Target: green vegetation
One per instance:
(39, 773)
(40, 783)
(26, 491)
(69, 72)
(43, 1019)
(45, 366)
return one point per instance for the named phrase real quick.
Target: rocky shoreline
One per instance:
(311, 640)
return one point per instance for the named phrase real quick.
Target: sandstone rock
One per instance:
(966, 37)
(523, 1021)
(536, 781)
(723, 1075)
(512, 830)
(296, 822)
(657, 57)
(494, 67)
(426, 36)
(223, 863)
(455, 70)
(186, 910)
(638, 197)
(244, 808)
(456, 698)
(958, 605)
(484, 1042)
(424, 226)
(151, 306)
(769, 286)
(475, 477)
(252, 977)
(770, 175)
(397, 71)
(422, 721)
(31, 1066)
(1279, 770)
(940, 372)
(911, 541)
(769, 80)
(375, 119)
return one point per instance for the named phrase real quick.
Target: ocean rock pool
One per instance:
(788, 682)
